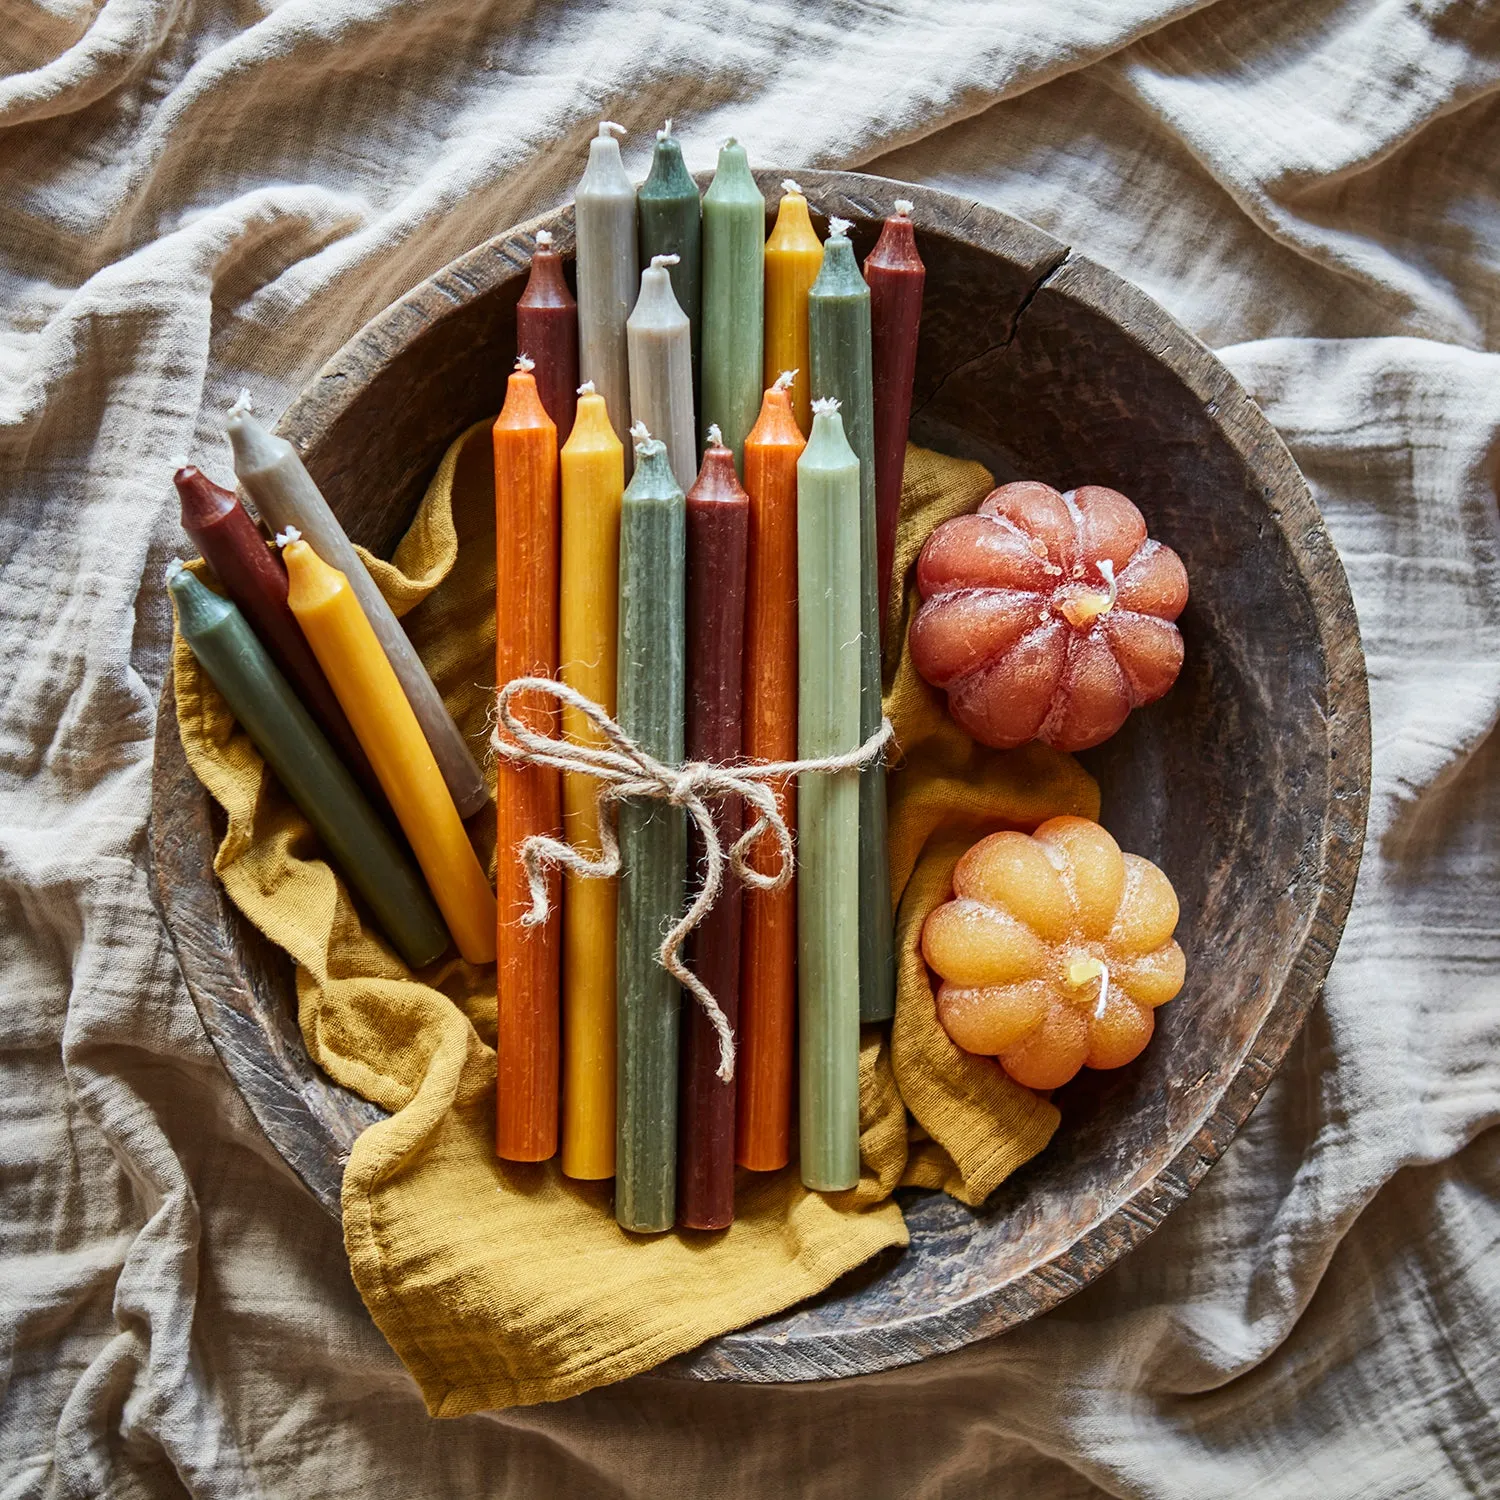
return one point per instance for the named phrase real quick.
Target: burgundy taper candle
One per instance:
(255, 579)
(895, 273)
(718, 522)
(547, 334)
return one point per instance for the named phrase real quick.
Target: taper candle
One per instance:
(359, 671)
(255, 579)
(593, 479)
(794, 256)
(896, 276)
(670, 216)
(734, 231)
(768, 962)
(661, 369)
(717, 528)
(269, 711)
(828, 723)
(604, 228)
(547, 333)
(653, 841)
(839, 332)
(285, 495)
(527, 798)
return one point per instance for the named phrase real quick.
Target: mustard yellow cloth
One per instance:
(502, 1284)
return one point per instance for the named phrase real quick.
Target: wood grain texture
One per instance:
(1248, 783)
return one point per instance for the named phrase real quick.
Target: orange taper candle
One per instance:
(768, 973)
(528, 799)
(376, 705)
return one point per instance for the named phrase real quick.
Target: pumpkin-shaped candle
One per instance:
(1048, 616)
(1054, 952)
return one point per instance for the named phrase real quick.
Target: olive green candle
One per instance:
(300, 755)
(828, 886)
(734, 235)
(653, 840)
(838, 317)
(669, 217)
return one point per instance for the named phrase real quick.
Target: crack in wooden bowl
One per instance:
(1247, 784)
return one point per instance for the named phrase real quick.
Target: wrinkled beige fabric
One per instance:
(197, 198)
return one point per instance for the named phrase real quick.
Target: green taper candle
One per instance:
(653, 840)
(669, 217)
(300, 755)
(838, 319)
(734, 254)
(828, 705)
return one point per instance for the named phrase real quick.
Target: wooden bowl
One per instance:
(1248, 783)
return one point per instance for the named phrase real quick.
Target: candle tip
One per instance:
(665, 133)
(287, 537)
(175, 567)
(728, 142)
(791, 185)
(243, 405)
(715, 436)
(661, 262)
(641, 433)
(826, 406)
(179, 462)
(608, 128)
(525, 364)
(903, 208)
(839, 228)
(544, 239)
(783, 381)
(587, 388)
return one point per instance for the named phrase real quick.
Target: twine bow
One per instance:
(624, 770)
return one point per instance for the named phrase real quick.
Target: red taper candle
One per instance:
(896, 275)
(547, 334)
(254, 577)
(718, 521)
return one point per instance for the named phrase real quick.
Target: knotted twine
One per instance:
(626, 771)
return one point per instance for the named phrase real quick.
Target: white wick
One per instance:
(525, 363)
(665, 132)
(607, 128)
(715, 436)
(1107, 568)
(789, 186)
(544, 239)
(287, 537)
(729, 141)
(641, 433)
(175, 567)
(825, 406)
(1103, 991)
(587, 388)
(903, 208)
(243, 405)
(661, 262)
(783, 381)
(840, 227)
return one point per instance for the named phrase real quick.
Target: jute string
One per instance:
(624, 771)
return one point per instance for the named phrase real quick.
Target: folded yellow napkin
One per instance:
(501, 1284)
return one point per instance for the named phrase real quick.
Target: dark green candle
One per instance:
(300, 755)
(653, 840)
(838, 319)
(669, 219)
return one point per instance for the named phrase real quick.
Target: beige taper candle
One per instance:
(661, 369)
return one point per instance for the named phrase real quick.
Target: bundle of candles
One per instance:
(723, 607)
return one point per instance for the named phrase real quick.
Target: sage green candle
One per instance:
(306, 765)
(669, 216)
(734, 254)
(838, 318)
(653, 841)
(828, 894)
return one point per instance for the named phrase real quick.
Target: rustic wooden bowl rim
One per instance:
(229, 969)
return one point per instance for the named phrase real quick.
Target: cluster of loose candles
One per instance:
(698, 537)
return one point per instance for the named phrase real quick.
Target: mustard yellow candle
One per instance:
(794, 256)
(593, 480)
(375, 705)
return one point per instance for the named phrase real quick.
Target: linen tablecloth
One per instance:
(198, 197)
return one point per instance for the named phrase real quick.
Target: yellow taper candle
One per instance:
(593, 479)
(794, 256)
(375, 705)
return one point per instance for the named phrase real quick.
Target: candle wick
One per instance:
(825, 406)
(790, 185)
(175, 567)
(903, 208)
(608, 128)
(587, 388)
(660, 262)
(287, 537)
(715, 436)
(1103, 991)
(243, 405)
(665, 133)
(544, 239)
(525, 364)
(783, 381)
(839, 228)
(642, 435)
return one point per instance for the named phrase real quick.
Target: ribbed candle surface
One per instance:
(661, 370)
(547, 334)
(794, 256)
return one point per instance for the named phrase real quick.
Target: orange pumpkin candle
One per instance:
(768, 965)
(1055, 951)
(528, 799)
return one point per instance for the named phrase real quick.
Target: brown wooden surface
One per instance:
(1248, 783)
